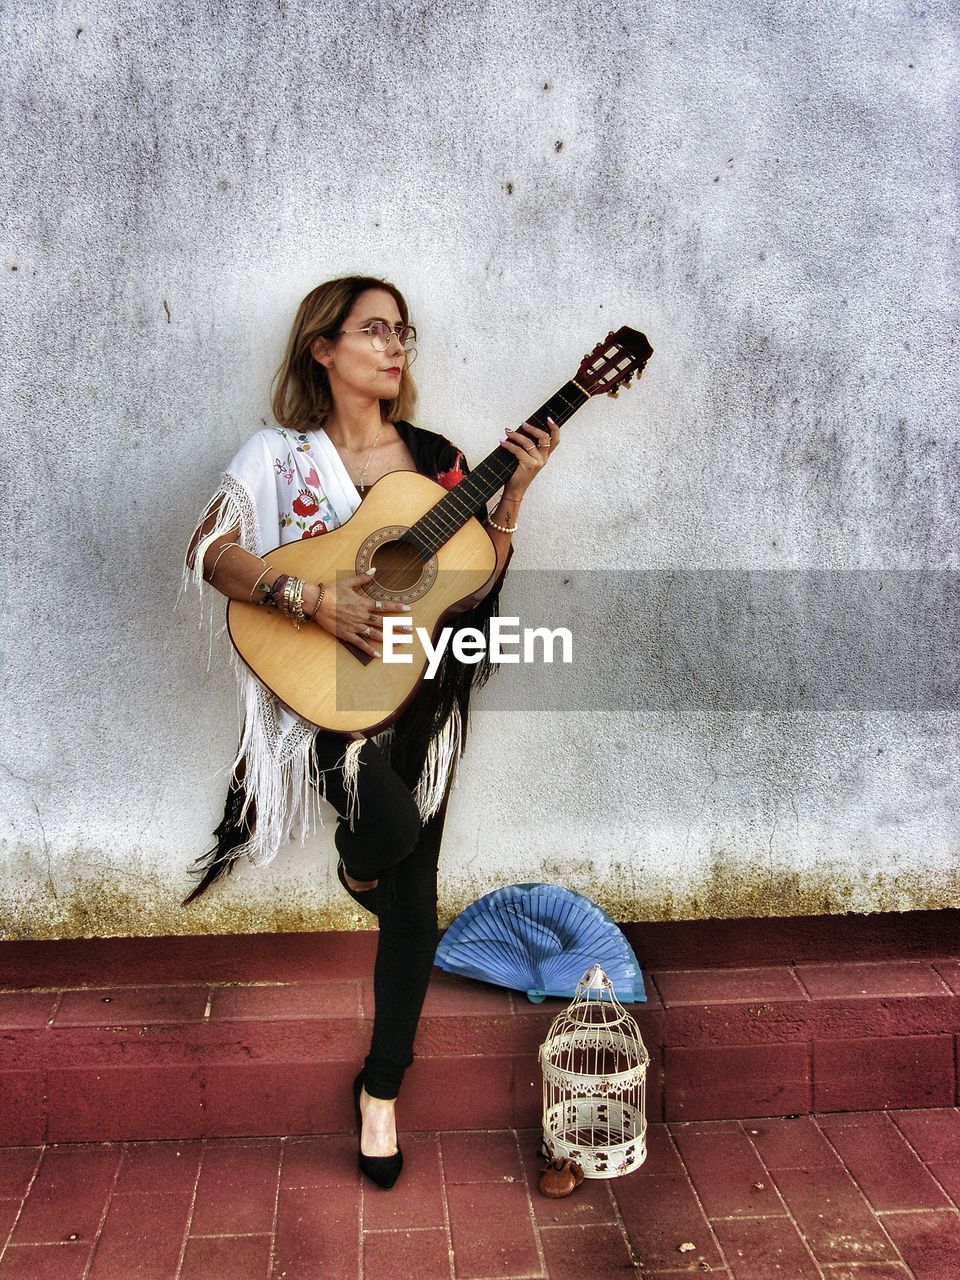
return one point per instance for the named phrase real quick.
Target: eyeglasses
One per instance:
(380, 334)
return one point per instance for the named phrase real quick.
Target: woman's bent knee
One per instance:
(406, 833)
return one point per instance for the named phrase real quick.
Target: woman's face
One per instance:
(352, 364)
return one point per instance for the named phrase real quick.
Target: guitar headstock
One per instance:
(613, 363)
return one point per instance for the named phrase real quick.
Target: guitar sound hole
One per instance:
(398, 566)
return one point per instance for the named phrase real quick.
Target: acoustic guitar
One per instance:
(429, 551)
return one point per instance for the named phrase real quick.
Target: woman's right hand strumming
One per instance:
(348, 612)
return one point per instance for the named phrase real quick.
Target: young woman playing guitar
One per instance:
(341, 402)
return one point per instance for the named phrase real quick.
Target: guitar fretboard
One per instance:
(471, 495)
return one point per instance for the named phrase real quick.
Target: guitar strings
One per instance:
(449, 514)
(443, 520)
(451, 511)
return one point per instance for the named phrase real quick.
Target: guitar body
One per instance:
(327, 682)
(446, 558)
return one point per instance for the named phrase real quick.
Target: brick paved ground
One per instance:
(870, 1196)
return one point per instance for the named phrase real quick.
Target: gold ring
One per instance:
(365, 631)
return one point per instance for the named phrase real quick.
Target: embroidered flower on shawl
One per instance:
(315, 530)
(305, 503)
(450, 479)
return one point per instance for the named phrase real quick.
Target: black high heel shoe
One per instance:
(383, 1170)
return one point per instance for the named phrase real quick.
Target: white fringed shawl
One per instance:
(280, 487)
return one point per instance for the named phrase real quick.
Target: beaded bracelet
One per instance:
(502, 528)
(316, 608)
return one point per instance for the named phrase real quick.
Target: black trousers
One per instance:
(388, 843)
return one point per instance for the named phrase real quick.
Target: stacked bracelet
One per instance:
(316, 608)
(502, 528)
(291, 600)
(274, 596)
(286, 595)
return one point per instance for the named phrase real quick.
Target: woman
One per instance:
(341, 399)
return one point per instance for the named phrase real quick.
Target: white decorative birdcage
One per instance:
(594, 1066)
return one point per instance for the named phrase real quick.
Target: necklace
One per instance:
(366, 465)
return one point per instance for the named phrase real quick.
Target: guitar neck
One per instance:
(471, 495)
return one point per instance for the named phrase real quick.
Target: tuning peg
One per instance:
(613, 394)
(609, 335)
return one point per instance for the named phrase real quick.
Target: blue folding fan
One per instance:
(539, 938)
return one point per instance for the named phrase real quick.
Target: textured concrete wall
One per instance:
(767, 189)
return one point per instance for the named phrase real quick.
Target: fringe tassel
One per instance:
(229, 838)
(351, 775)
(441, 760)
(231, 513)
(280, 773)
(233, 510)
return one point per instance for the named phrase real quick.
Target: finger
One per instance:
(369, 639)
(401, 632)
(531, 430)
(390, 608)
(526, 453)
(357, 641)
(540, 439)
(361, 579)
(372, 625)
(398, 626)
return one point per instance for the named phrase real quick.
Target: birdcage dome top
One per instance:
(594, 1002)
(594, 1037)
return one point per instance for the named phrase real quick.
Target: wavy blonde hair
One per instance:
(301, 390)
